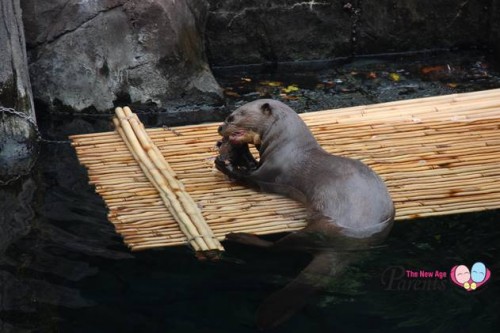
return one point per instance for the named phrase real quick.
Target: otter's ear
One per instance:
(266, 109)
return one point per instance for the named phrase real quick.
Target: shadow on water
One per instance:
(64, 269)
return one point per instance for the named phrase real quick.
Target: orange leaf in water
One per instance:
(230, 93)
(432, 69)
(289, 97)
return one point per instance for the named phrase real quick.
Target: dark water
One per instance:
(63, 268)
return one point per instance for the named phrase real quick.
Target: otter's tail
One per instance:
(281, 305)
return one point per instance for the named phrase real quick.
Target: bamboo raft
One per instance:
(438, 155)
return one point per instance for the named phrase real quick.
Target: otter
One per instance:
(348, 205)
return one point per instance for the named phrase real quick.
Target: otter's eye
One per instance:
(230, 119)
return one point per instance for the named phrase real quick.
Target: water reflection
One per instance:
(49, 223)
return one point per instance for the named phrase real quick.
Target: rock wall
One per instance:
(412, 25)
(89, 55)
(495, 31)
(246, 32)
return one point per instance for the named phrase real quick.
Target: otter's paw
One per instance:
(229, 169)
(220, 163)
(224, 166)
(247, 239)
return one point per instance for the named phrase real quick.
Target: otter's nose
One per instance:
(221, 127)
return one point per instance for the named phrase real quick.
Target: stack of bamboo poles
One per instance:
(438, 155)
(154, 166)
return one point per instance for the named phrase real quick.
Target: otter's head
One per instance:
(248, 123)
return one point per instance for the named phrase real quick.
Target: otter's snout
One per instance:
(221, 128)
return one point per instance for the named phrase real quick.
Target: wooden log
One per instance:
(18, 130)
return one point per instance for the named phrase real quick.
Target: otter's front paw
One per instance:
(230, 168)
(224, 165)
(227, 168)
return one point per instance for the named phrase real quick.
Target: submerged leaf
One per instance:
(290, 88)
(432, 69)
(394, 77)
(230, 93)
(289, 97)
(271, 83)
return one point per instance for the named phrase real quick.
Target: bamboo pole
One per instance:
(162, 177)
(185, 200)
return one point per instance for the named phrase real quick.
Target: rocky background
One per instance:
(276, 31)
(87, 56)
(494, 40)
(90, 55)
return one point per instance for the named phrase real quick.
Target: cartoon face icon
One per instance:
(478, 272)
(462, 274)
(470, 280)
